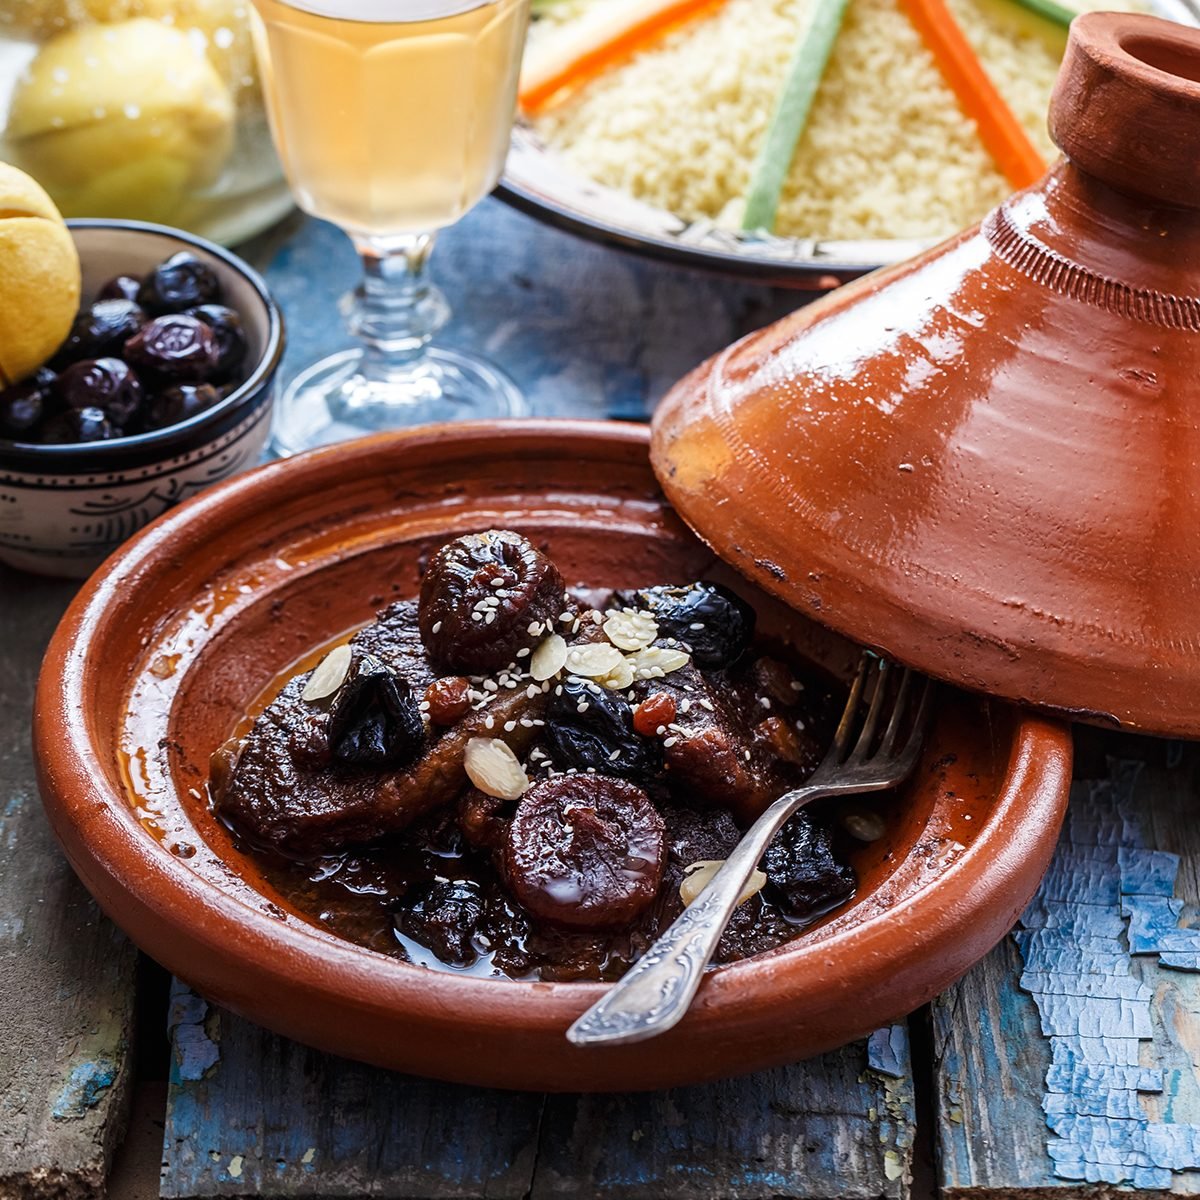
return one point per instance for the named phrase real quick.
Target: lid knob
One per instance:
(1126, 107)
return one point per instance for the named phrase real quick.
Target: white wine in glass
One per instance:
(392, 118)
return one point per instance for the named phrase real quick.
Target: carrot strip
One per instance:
(1002, 134)
(639, 25)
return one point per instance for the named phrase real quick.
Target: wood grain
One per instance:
(252, 1114)
(1069, 1061)
(66, 974)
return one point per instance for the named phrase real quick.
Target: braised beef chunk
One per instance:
(803, 873)
(713, 758)
(287, 791)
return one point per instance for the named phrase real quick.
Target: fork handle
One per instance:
(655, 993)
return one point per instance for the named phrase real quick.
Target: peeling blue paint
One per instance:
(887, 1052)
(1106, 899)
(194, 1053)
(86, 1084)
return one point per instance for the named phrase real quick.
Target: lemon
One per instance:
(99, 101)
(39, 276)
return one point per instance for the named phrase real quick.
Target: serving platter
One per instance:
(159, 656)
(537, 181)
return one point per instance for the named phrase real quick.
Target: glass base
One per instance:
(332, 401)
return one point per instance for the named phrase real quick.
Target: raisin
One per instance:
(182, 281)
(655, 712)
(586, 852)
(174, 348)
(448, 699)
(788, 743)
(804, 875)
(373, 718)
(590, 726)
(715, 624)
(479, 597)
(105, 383)
(444, 920)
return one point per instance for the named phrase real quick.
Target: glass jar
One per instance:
(144, 109)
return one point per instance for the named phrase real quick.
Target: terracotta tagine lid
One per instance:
(986, 462)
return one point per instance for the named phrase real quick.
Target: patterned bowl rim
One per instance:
(92, 457)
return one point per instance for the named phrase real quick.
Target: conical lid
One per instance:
(986, 462)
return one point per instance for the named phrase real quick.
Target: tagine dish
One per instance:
(515, 778)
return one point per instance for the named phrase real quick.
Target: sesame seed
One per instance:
(708, 704)
(796, 685)
(436, 627)
(526, 723)
(489, 722)
(424, 706)
(477, 616)
(591, 770)
(747, 754)
(523, 652)
(497, 583)
(566, 616)
(538, 723)
(582, 706)
(558, 690)
(764, 701)
(509, 726)
(533, 690)
(489, 618)
(696, 625)
(614, 756)
(670, 742)
(660, 731)
(800, 725)
(491, 685)
(685, 706)
(510, 684)
(597, 617)
(535, 627)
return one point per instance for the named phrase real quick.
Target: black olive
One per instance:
(804, 876)
(102, 330)
(226, 326)
(174, 348)
(78, 425)
(715, 624)
(24, 404)
(601, 736)
(105, 383)
(180, 402)
(374, 720)
(183, 281)
(120, 287)
(444, 920)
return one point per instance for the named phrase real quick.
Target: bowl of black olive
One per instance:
(163, 386)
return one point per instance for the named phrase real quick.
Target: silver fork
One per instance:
(656, 992)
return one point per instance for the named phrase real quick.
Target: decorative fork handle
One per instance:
(656, 992)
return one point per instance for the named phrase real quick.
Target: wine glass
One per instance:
(392, 118)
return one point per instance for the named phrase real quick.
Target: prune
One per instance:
(715, 624)
(802, 871)
(444, 920)
(480, 596)
(600, 736)
(374, 720)
(24, 404)
(178, 403)
(183, 281)
(585, 851)
(174, 348)
(105, 383)
(120, 287)
(102, 330)
(78, 425)
(226, 327)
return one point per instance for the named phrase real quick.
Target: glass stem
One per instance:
(396, 310)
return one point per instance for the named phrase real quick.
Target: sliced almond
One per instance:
(699, 875)
(494, 769)
(656, 661)
(631, 629)
(593, 660)
(549, 658)
(865, 826)
(329, 675)
(619, 678)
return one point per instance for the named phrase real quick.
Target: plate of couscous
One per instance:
(799, 141)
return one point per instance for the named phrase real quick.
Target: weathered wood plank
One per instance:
(66, 974)
(252, 1114)
(1069, 1061)
(832, 1127)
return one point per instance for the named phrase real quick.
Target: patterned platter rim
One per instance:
(538, 182)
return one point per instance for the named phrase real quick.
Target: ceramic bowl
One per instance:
(63, 509)
(161, 654)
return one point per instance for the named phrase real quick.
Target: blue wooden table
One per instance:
(1068, 1063)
